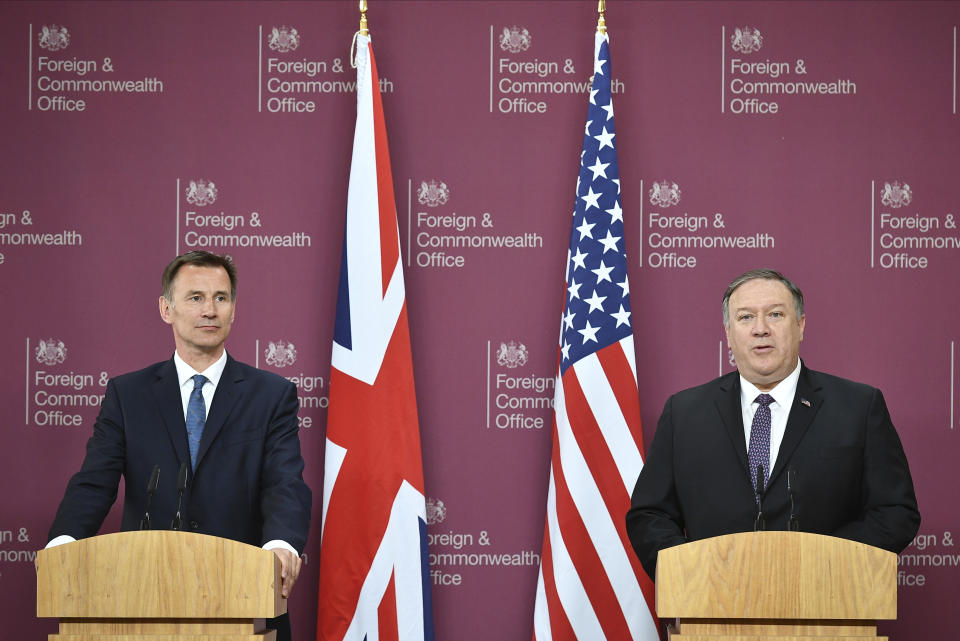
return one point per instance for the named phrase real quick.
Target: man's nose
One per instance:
(760, 327)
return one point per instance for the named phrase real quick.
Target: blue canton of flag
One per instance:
(597, 309)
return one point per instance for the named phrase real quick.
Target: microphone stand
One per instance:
(145, 523)
(177, 523)
(793, 524)
(759, 525)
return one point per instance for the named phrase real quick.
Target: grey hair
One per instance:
(765, 274)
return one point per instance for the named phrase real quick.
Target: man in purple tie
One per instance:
(774, 445)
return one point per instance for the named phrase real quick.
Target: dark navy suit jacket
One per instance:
(852, 475)
(248, 482)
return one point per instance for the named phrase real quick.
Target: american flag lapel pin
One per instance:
(804, 401)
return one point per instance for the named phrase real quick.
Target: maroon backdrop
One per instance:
(819, 138)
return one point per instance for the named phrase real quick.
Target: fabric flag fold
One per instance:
(374, 571)
(591, 586)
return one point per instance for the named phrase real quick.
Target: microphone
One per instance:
(759, 525)
(177, 523)
(793, 524)
(151, 490)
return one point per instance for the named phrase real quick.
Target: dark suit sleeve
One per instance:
(654, 521)
(285, 500)
(889, 518)
(93, 489)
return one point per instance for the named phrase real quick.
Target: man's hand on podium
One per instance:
(289, 570)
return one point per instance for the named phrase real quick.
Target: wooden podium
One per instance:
(161, 586)
(776, 586)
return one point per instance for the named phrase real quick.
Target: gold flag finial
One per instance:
(601, 22)
(363, 18)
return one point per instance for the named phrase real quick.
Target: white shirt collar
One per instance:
(213, 373)
(783, 393)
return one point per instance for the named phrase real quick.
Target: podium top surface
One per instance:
(777, 575)
(158, 574)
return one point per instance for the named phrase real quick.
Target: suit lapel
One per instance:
(166, 393)
(806, 404)
(229, 390)
(728, 406)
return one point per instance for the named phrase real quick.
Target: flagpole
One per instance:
(601, 21)
(363, 18)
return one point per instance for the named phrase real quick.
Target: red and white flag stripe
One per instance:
(596, 588)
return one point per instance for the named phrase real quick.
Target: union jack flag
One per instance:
(374, 570)
(591, 585)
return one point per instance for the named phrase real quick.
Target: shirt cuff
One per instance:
(60, 540)
(276, 543)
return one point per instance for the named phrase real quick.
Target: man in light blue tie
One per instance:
(723, 452)
(234, 426)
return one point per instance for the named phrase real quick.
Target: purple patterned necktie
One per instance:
(759, 452)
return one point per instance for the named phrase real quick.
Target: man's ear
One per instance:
(166, 311)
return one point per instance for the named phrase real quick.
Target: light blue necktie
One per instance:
(196, 417)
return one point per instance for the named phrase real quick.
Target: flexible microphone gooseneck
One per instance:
(793, 524)
(759, 525)
(145, 523)
(177, 523)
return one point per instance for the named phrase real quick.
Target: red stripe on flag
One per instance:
(624, 386)
(594, 447)
(585, 558)
(387, 613)
(603, 468)
(560, 629)
(618, 371)
(389, 241)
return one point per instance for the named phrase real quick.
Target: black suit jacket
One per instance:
(852, 475)
(248, 483)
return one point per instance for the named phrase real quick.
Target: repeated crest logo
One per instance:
(280, 354)
(436, 511)
(201, 192)
(515, 39)
(433, 193)
(896, 195)
(283, 39)
(664, 194)
(512, 354)
(50, 351)
(53, 37)
(746, 40)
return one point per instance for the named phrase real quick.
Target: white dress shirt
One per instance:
(783, 395)
(185, 375)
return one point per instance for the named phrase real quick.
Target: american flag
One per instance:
(591, 585)
(374, 571)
